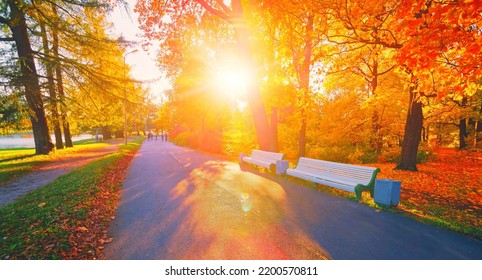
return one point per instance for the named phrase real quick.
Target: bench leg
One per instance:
(242, 164)
(358, 193)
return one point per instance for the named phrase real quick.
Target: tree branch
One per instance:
(214, 11)
(223, 6)
(7, 39)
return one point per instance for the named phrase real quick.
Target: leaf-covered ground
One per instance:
(88, 236)
(68, 218)
(447, 191)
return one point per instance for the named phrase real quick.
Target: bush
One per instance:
(184, 139)
(392, 155)
(369, 156)
(236, 142)
(331, 153)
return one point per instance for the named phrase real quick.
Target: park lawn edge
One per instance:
(402, 209)
(68, 218)
(25, 161)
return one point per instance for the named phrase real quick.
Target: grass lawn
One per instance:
(68, 218)
(446, 192)
(20, 161)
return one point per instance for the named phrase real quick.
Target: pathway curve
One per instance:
(180, 204)
(50, 171)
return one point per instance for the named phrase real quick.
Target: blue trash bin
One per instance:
(387, 192)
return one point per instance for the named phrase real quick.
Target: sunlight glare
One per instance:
(231, 82)
(245, 202)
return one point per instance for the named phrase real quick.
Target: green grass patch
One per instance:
(39, 225)
(20, 161)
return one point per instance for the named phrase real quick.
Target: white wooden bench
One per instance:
(272, 161)
(351, 178)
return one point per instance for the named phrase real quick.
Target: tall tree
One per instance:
(18, 25)
(296, 38)
(51, 88)
(442, 49)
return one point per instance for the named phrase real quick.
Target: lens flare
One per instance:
(245, 202)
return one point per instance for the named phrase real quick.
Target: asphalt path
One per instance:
(179, 204)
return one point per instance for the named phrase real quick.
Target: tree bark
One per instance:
(106, 133)
(463, 134)
(305, 84)
(376, 141)
(413, 133)
(51, 88)
(463, 128)
(274, 126)
(18, 26)
(60, 87)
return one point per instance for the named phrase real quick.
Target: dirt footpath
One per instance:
(50, 171)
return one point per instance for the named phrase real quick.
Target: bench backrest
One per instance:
(266, 156)
(327, 169)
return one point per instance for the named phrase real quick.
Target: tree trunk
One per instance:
(51, 88)
(18, 26)
(305, 84)
(274, 126)
(60, 88)
(463, 128)
(478, 127)
(302, 138)
(376, 142)
(106, 133)
(412, 136)
(478, 130)
(463, 134)
(425, 133)
(263, 131)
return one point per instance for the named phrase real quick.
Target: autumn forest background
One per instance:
(393, 84)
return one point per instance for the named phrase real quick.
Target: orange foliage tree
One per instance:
(441, 51)
(435, 44)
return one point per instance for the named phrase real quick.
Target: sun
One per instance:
(231, 80)
(234, 80)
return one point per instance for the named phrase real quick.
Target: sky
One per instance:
(142, 62)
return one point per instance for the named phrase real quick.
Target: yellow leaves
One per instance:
(42, 204)
(82, 229)
(472, 89)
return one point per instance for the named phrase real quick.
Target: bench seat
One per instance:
(347, 177)
(269, 160)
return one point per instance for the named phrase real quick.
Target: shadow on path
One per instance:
(180, 204)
